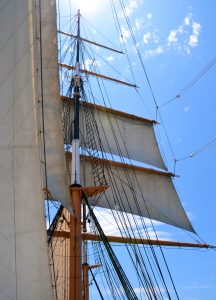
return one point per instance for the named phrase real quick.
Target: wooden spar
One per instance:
(90, 42)
(128, 166)
(110, 110)
(126, 240)
(98, 75)
(85, 281)
(123, 165)
(86, 268)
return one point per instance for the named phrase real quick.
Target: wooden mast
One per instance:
(85, 265)
(78, 281)
(75, 277)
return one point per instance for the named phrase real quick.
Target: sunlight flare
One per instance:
(87, 6)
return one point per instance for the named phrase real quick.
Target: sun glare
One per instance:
(89, 6)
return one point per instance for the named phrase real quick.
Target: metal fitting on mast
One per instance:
(75, 166)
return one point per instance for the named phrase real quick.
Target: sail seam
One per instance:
(14, 195)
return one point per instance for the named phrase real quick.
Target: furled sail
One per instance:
(143, 192)
(24, 265)
(123, 134)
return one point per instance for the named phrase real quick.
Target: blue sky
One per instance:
(176, 40)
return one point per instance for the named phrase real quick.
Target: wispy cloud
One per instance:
(187, 19)
(149, 16)
(188, 31)
(154, 52)
(144, 291)
(89, 63)
(138, 23)
(172, 37)
(110, 58)
(130, 8)
(115, 224)
(125, 34)
(151, 36)
(194, 37)
(181, 39)
(147, 37)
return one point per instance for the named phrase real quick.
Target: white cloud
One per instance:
(193, 40)
(91, 62)
(88, 63)
(186, 109)
(187, 19)
(183, 38)
(147, 37)
(125, 34)
(154, 52)
(149, 16)
(194, 37)
(110, 58)
(116, 225)
(180, 29)
(151, 36)
(142, 290)
(129, 9)
(187, 49)
(172, 37)
(196, 28)
(138, 23)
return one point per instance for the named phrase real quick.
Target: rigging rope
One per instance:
(151, 291)
(98, 288)
(119, 196)
(119, 271)
(130, 184)
(146, 75)
(195, 153)
(206, 147)
(192, 82)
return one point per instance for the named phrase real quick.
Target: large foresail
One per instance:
(24, 263)
(24, 266)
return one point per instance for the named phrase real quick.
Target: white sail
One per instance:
(24, 264)
(123, 134)
(155, 195)
(55, 172)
